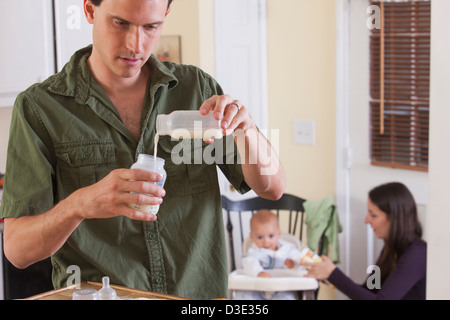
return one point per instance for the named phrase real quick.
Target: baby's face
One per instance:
(265, 235)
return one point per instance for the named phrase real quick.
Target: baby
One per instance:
(267, 251)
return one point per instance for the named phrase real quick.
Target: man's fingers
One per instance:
(139, 215)
(139, 175)
(144, 187)
(216, 104)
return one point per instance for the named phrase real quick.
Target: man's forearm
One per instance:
(261, 167)
(30, 239)
(33, 238)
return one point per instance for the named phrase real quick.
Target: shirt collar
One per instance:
(75, 78)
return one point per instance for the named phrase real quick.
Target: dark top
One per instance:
(406, 282)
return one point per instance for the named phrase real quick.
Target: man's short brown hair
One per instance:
(98, 2)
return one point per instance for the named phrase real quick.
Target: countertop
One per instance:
(122, 293)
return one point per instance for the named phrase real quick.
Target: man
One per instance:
(74, 136)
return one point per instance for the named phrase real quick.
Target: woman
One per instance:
(401, 271)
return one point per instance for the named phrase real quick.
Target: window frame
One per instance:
(399, 84)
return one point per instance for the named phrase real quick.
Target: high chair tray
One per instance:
(282, 280)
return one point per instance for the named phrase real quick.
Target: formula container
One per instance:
(188, 124)
(154, 164)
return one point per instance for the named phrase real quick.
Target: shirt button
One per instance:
(86, 155)
(158, 279)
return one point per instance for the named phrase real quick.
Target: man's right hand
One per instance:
(111, 196)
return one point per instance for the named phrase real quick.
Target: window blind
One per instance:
(399, 85)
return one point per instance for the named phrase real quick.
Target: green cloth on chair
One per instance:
(320, 220)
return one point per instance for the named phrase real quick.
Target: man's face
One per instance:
(125, 33)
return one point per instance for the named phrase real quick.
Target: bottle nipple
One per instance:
(106, 292)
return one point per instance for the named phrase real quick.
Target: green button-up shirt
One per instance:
(66, 134)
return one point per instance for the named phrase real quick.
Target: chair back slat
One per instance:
(240, 226)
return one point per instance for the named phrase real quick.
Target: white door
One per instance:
(241, 62)
(73, 32)
(355, 175)
(27, 51)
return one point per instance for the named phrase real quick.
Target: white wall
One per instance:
(438, 263)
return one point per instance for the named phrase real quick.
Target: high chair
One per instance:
(289, 209)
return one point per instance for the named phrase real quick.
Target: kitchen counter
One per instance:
(122, 293)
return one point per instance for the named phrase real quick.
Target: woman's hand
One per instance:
(319, 270)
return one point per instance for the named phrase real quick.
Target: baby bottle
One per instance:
(150, 163)
(188, 124)
(309, 256)
(106, 292)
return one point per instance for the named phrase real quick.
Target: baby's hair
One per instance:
(263, 216)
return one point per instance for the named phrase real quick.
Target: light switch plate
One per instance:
(305, 132)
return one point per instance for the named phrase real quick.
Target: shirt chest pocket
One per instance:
(80, 164)
(187, 172)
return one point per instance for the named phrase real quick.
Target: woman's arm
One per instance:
(411, 269)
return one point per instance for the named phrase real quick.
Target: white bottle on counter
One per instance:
(154, 164)
(106, 292)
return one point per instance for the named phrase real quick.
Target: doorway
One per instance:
(241, 61)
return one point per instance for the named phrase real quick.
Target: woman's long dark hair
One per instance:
(397, 202)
